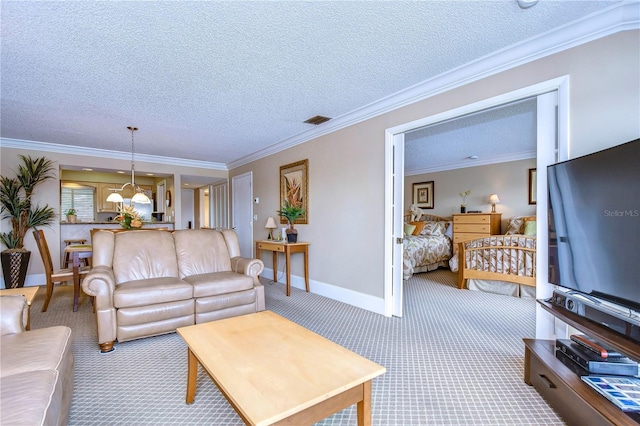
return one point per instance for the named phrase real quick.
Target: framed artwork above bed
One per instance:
(423, 195)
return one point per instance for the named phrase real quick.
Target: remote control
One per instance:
(592, 346)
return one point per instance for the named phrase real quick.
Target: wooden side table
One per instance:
(287, 249)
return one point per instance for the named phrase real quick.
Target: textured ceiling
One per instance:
(504, 133)
(217, 81)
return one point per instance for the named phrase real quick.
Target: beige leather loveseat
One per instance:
(150, 282)
(36, 369)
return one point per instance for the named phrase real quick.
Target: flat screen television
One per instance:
(594, 224)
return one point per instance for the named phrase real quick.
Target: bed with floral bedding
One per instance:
(504, 264)
(427, 246)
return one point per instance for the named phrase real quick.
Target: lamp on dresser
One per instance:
(493, 200)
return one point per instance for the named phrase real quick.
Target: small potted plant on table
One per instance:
(71, 215)
(291, 213)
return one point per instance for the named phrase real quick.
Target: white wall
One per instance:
(187, 201)
(509, 180)
(346, 167)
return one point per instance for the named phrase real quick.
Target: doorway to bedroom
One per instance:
(552, 131)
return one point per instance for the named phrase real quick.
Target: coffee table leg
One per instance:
(192, 376)
(364, 406)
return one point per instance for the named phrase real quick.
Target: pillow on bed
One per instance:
(530, 227)
(434, 229)
(408, 229)
(418, 227)
(515, 226)
(449, 231)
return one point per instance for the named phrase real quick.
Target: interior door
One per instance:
(242, 211)
(398, 221)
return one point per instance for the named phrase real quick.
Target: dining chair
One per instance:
(53, 276)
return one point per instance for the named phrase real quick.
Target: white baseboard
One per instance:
(32, 280)
(350, 297)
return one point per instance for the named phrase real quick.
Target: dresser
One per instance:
(469, 226)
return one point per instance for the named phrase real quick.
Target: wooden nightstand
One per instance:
(469, 226)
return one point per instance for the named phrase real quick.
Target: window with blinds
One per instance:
(81, 198)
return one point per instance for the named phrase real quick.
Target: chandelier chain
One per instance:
(133, 129)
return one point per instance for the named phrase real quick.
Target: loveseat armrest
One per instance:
(100, 283)
(246, 266)
(14, 313)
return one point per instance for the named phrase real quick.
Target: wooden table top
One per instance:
(271, 367)
(28, 292)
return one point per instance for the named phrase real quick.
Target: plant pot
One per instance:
(72, 218)
(14, 267)
(463, 209)
(292, 238)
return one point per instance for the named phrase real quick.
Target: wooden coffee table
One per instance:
(273, 371)
(28, 292)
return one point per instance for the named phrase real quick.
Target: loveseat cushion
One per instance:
(151, 291)
(31, 398)
(201, 251)
(144, 254)
(219, 283)
(42, 349)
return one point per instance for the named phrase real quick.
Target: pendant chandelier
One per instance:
(139, 196)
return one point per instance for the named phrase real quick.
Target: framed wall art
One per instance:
(294, 188)
(533, 186)
(423, 195)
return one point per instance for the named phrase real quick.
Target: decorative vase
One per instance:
(463, 209)
(14, 267)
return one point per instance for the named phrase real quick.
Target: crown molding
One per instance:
(473, 163)
(617, 18)
(105, 153)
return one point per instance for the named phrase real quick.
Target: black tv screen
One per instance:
(594, 224)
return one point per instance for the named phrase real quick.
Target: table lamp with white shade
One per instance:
(271, 225)
(493, 200)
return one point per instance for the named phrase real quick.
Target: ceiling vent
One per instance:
(318, 119)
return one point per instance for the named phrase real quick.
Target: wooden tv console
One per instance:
(573, 399)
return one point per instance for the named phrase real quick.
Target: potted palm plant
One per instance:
(291, 212)
(15, 205)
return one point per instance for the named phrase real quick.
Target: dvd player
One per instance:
(625, 322)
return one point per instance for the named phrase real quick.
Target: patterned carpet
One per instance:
(455, 358)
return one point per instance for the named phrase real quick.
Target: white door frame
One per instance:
(395, 212)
